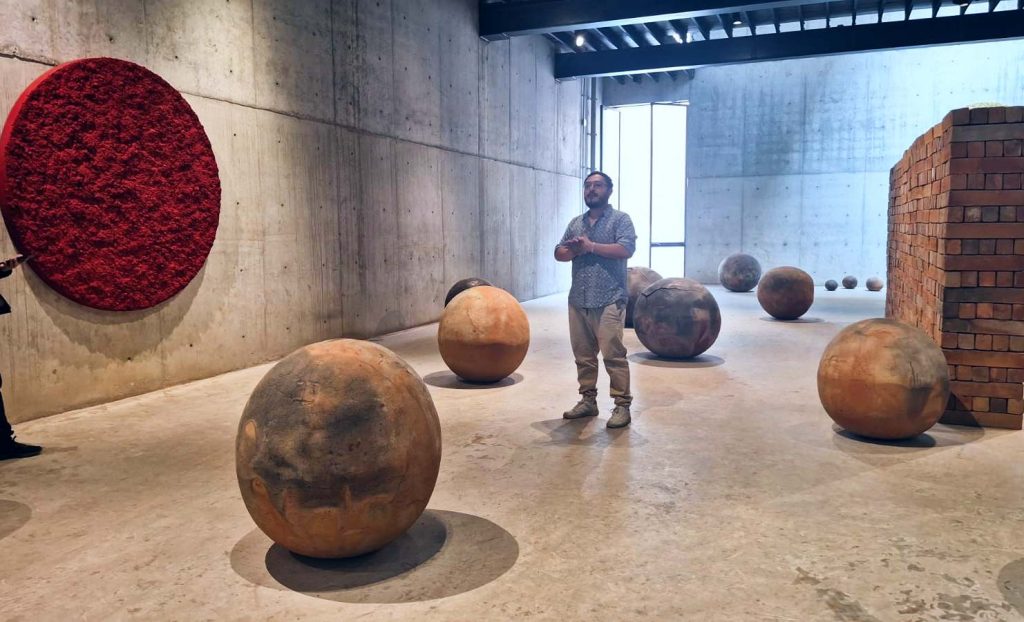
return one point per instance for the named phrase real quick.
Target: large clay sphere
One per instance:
(786, 293)
(883, 379)
(739, 272)
(677, 318)
(637, 280)
(462, 286)
(484, 334)
(849, 282)
(831, 285)
(874, 284)
(338, 449)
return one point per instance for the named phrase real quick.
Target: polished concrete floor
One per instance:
(731, 497)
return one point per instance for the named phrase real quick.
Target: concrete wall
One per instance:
(789, 160)
(371, 153)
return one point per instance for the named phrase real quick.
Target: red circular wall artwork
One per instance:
(108, 182)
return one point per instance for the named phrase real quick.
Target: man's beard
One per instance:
(595, 202)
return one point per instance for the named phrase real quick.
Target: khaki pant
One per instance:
(593, 330)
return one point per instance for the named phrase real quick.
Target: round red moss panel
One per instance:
(109, 183)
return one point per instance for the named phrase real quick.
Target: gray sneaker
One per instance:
(620, 417)
(585, 408)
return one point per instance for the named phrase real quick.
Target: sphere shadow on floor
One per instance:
(799, 320)
(448, 380)
(443, 554)
(1011, 584)
(697, 362)
(586, 432)
(939, 436)
(13, 516)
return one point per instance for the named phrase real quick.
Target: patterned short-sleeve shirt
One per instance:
(600, 281)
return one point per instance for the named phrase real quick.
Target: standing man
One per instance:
(598, 243)
(10, 448)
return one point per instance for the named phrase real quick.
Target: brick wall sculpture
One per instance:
(956, 257)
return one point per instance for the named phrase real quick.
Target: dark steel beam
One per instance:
(660, 33)
(616, 37)
(704, 30)
(500, 21)
(750, 23)
(642, 35)
(776, 21)
(726, 24)
(558, 42)
(600, 37)
(818, 42)
(936, 5)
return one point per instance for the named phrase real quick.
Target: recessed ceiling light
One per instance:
(675, 35)
(737, 22)
(580, 40)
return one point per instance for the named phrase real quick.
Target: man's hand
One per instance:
(586, 246)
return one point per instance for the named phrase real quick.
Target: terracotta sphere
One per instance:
(462, 286)
(484, 334)
(677, 318)
(739, 272)
(637, 280)
(874, 284)
(338, 449)
(849, 282)
(883, 379)
(786, 293)
(831, 285)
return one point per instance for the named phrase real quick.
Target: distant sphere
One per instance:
(831, 285)
(739, 272)
(461, 286)
(849, 282)
(874, 284)
(786, 293)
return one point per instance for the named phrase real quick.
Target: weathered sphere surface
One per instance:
(338, 449)
(462, 286)
(874, 284)
(831, 285)
(677, 318)
(883, 379)
(849, 282)
(483, 334)
(739, 272)
(637, 280)
(786, 293)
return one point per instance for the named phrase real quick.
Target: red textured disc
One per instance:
(109, 183)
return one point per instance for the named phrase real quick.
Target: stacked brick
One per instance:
(956, 257)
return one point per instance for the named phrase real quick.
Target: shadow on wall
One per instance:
(443, 554)
(134, 331)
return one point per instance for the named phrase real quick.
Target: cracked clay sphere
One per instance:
(677, 318)
(883, 379)
(338, 449)
(638, 278)
(483, 334)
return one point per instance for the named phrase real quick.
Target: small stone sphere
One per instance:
(462, 286)
(849, 282)
(786, 293)
(638, 279)
(338, 449)
(831, 285)
(484, 334)
(739, 272)
(883, 379)
(677, 318)
(874, 284)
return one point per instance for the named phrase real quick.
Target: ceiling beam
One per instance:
(500, 21)
(817, 42)
(705, 31)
